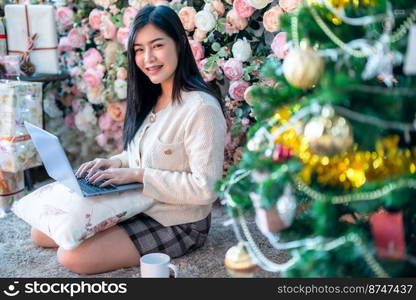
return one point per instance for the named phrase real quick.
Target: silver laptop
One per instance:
(58, 167)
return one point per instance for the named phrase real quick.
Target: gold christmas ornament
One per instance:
(328, 134)
(303, 67)
(239, 263)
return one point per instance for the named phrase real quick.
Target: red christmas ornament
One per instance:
(388, 234)
(281, 154)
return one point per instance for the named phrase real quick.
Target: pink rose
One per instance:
(64, 45)
(199, 35)
(243, 9)
(197, 49)
(233, 69)
(91, 58)
(123, 36)
(101, 140)
(70, 120)
(235, 20)
(289, 5)
(128, 16)
(230, 29)
(279, 45)
(218, 7)
(92, 78)
(76, 38)
(271, 19)
(237, 89)
(105, 121)
(107, 27)
(64, 16)
(187, 16)
(95, 18)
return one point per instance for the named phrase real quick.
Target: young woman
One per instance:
(174, 135)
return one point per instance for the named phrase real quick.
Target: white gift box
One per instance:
(23, 22)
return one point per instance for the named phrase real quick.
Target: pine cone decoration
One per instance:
(27, 68)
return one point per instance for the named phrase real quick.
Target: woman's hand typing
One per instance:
(117, 176)
(91, 167)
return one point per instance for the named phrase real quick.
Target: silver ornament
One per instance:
(286, 206)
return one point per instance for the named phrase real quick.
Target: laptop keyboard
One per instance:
(89, 188)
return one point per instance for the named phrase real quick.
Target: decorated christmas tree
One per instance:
(329, 166)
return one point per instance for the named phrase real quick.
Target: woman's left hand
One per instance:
(117, 176)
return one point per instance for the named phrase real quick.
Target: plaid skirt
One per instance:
(150, 236)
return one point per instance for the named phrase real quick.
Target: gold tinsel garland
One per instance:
(349, 169)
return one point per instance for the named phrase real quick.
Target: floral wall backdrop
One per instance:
(230, 41)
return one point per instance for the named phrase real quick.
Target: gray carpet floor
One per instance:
(19, 257)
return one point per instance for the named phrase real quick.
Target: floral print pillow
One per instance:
(69, 219)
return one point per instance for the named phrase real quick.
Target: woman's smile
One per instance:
(153, 70)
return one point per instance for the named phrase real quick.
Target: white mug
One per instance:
(157, 265)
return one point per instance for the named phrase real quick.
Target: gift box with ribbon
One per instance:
(11, 189)
(31, 34)
(19, 101)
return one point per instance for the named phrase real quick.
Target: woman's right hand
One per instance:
(90, 167)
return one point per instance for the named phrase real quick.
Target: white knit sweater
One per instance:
(182, 153)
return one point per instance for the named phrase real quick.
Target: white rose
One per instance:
(85, 118)
(210, 7)
(94, 94)
(50, 108)
(120, 87)
(205, 20)
(138, 4)
(259, 4)
(241, 50)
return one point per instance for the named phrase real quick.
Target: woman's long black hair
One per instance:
(142, 94)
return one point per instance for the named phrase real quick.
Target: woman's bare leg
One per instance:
(41, 239)
(106, 251)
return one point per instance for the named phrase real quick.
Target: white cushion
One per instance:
(69, 219)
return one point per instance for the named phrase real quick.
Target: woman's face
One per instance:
(156, 54)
